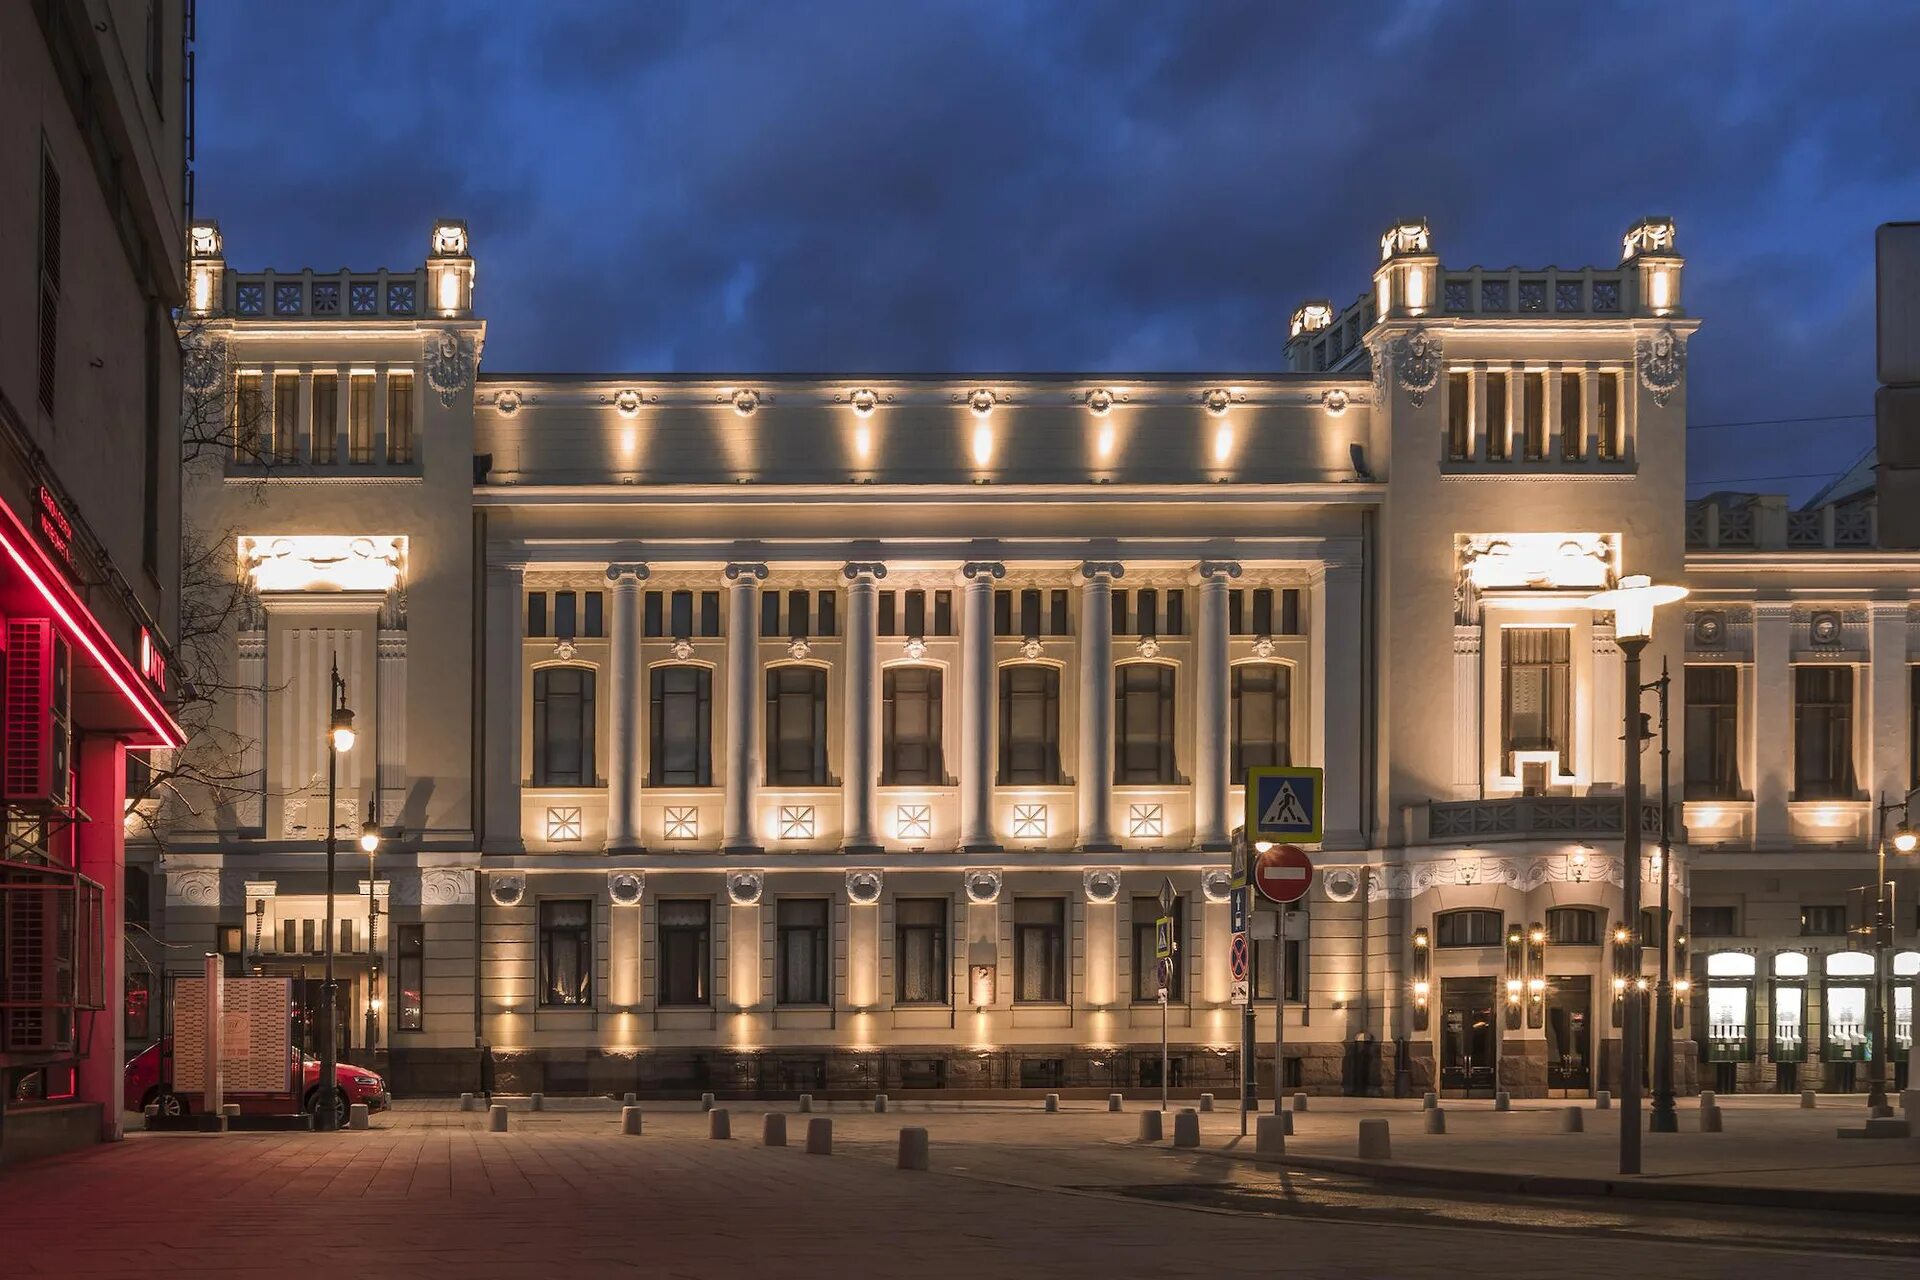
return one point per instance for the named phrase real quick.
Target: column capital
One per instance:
(854, 570)
(1094, 570)
(1215, 570)
(735, 572)
(620, 574)
(990, 569)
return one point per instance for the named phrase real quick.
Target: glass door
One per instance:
(1468, 1038)
(1570, 1033)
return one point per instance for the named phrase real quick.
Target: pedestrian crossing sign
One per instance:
(1284, 804)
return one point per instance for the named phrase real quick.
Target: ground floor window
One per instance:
(1040, 950)
(566, 952)
(685, 957)
(920, 950)
(801, 928)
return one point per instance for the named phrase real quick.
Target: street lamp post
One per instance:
(1905, 840)
(370, 843)
(1663, 1118)
(1632, 604)
(339, 741)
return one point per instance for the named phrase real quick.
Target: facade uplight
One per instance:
(982, 444)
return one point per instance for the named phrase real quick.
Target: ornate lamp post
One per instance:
(340, 738)
(370, 844)
(1905, 839)
(1632, 604)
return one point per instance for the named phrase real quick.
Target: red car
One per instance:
(353, 1084)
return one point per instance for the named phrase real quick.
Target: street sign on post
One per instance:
(1237, 908)
(1167, 896)
(1285, 803)
(1163, 938)
(1283, 873)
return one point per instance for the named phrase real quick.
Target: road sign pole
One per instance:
(1279, 1011)
(1163, 1048)
(1249, 1081)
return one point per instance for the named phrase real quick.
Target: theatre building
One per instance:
(770, 733)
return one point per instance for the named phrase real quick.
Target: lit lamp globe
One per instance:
(1906, 839)
(340, 730)
(1632, 604)
(369, 837)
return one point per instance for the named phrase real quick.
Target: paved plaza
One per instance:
(1013, 1191)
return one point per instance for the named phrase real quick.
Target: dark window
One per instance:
(1118, 604)
(138, 903)
(1146, 612)
(769, 613)
(1572, 415)
(1573, 927)
(1030, 612)
(1176, 612)
(1263, 611)
(1713, 733)
(1499, 444)
(594, 624)
(681, 752)
(566, 622)
(1823, 922)
(566, 951)
(1533, 416)
(1650, 929)
(1606, 424)
(410, 976)
(943, 613)
(1143, 716)
(1039, 950)
(910, 727)
(1534, 692)
(1262, 961)
(709, 613)
(801, 929)
(920, 950)
(653, 614)
(685, 951)
(827, 626)
(1236, 613)
(1262, 717)
(1146, 971)
(680, 615)
(563, 727)
(1467, 929)
(536, 613)
(796, 726)
(1029, 725)
(916, 613)
(1058, 612)
(885, 621)
(797, 611)
(1003, 613)
(1715, 922)
(1459, 417)
(1823, 733)
(1290, 612)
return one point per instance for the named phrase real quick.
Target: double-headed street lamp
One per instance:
(1632, 604)
(1905, 839)
(340, 739)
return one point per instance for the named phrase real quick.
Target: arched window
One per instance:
(1573, 926)
(1029, 725)
(563, 727)
(796, 727)
(910, 727)
(1143, 720)
(1469, 928)
(681, 727)
(1262, 716)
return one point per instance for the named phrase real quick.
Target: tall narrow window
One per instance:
(1713, 733)
(1057, 612)
(1459, 417)
(1039, 950)
(1176, 612)
(943, 613)
(1262, 716)
(1030, 612)
(653, 614)
(1146, 612)
(796, 726)
(1146, 966)
(1029, 725)
(681, 741)
(910, 750)
(680, 619)
(1823, 733)
(410, 976)
(1534, 701)
(566, 952)
(1003, 613)
(1290, 611)
(49, 353)
(1499, 442)
(916, 613)
(709, 613)
(593, 618)
(824, 623)
(400, 417)
(886, 611)
(1236, 612)
(801, 932)
(1263, 611)
(286, 417)
(566, 616)
(920, 950)
(360, 418)
(686, 951)
(1606, 424)
(249, 418)
(1533, 415)
(1572, 415)
(769, 613)
(325, 427)
(1143, 715)
(563, 727)
(798, 607)
(536, 613)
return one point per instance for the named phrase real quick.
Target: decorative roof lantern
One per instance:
(1311, 317)
(450, 269)
(1651, 249)
(1407, 279)
(206, 268)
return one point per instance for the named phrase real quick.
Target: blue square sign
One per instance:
(1284, 804)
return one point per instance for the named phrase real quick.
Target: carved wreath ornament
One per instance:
(1416, 357)
(449, 361)
(1662, 359)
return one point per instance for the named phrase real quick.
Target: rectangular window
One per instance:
(1146, 612)
(1263, 611)
(1606, 426)
(796, 727)
(1290, 612)
(1823, 733)
(594, 621)
(1176, 612)
(709, 613)
(1823, 922)
(911, 723)
(1236, 613)
(886, 614)
(1143, 716)
(943, 613)
(769, 613)
(1119, 610)
(1262, 961)
(536, 613)
(1713, 732)
(1039, 950)
(653, 614)
(325, 427)
(563, 727)
(801, 932)
(680, 618)
(566, 952)
(1467, 929)
(1499, 444)
(310, 935)
(400, 418)
(410, 977)
(1533, 415)
(1573, 927)
(798, 608)
(825, 624)
(1715, 922)
(286, 417)
(1572, 415)
(1459, 417)
(1003, 613)
(1262, 716)
(360, 418)
(249, 425)
(1146, 972)
(681, 753)
(565, 615)
(1030, 612)
(920, 950)
(287, 939)
(685, 951)
(1029, 725)
(916, 613)
(1534, 692)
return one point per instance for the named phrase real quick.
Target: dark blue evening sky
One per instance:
(911, 185)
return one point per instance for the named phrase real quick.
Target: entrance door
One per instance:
(1570, 1033)
(1469, 1043)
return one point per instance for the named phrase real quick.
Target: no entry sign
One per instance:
(1283, 873)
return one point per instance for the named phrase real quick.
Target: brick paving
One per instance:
(1014, 1192)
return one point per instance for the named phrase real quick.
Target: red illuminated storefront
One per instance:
(71, 705)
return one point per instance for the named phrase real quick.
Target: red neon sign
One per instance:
(51, 523)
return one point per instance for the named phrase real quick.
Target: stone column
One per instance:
(1770, 726)
(506, 710)
(1887, 701)
(1096, 705)
(743, 737)
(625, 697)
(860, 834)
(977, 675)
(1213, 716)
(1337, 640)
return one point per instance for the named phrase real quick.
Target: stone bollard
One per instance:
(1503, 1101)
(356, 1115)
(1299, 1102)
(1050, 1103)
(1710, 1120)
(1708, 1099)
(1572, 1120)
(879, 1104)
(806, 1103)
(1270, 1135)
(231, 1111)
(537, 1102)
(1428, 1101)
(706, 1102)
(1376, 1143)
(773, 1129)
(1286, 1122)
(630, 1120)
(820, 1136)
(466, 1102)
(1186, 1127)
(913, 1149)
(496, 1118)
(628, 1100)
(1436, 1120)
(1113, 1102)
(1809, 1100)
(719, 1125)
(1152, 1128)
(1910, 1101)
(1206, 1102)
(1603, 1101)
(1881, 1112)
